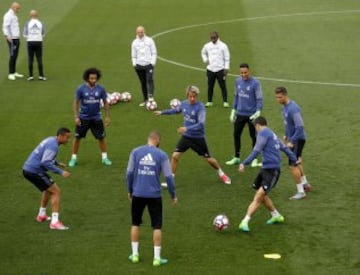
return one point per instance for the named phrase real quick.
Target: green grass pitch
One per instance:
(311, 47)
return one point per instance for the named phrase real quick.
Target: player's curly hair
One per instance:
(90, 71)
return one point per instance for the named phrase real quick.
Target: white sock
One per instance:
(220, 172)
(42, 211)
(246, 218)
(104, 155)
(300, 188)
(304, 180)
(135, 248)
(54, 217)
(275, 213)
(157, 250)
(73, 156)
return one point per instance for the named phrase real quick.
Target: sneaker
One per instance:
(18, 75)
(298, 196)
(134, 259)
(278, 219)
(226, 105)
(106, 162)
(42, 78)
(42, 218)
(208, 104)
(256, 163)
(58, 226)
(164, 184)
(244, 226)
(30, 78)
(11, 77)
(72, 163)
(307, 187)
(225, 179)
(142, 104)
(233, 161)
(158, 262)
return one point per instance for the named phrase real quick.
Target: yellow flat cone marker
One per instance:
(274, 256)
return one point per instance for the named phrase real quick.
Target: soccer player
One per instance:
(145, 165)
(11, 31)
(269, 145)
(87, 114)
(247, 105)
(294, 138)
(143, 57)
(41, 160)
(216, 55)
(193, 132)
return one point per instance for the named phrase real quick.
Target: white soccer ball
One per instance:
(175, 103)
(221, 222)
(151, 105)
(117, 96)
(125, 97)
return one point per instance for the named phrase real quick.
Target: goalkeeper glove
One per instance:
(255, 115)
(232, 116)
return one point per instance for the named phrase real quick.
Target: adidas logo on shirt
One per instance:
(147, 160)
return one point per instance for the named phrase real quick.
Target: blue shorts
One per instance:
(96, 127)
(42, 181)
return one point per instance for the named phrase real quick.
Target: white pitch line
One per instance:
(258, 18)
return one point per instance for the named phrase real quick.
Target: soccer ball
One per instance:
(221, 222)
(117, 96)
(125, 97)
(151, 105)
(175, 103)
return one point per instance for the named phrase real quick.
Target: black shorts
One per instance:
(155, 209)
(267, 179)
(298, 148)
(198, 145)
(42, 181)
(96, 127)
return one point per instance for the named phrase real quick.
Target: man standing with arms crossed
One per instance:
(11, 31)
(143, 57)
(247, 106)
(145, 165)
(294, 138)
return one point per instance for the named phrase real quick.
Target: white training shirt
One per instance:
(34, 30)
(217, 56)
(143, 51)
(11, 26)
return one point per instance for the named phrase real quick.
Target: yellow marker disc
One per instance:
(275, 256)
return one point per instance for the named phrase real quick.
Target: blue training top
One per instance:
(294, 124)
(90, 101)
(194, 118)
(248, 96)
(269, 145)
(43, 158)
(143, 172)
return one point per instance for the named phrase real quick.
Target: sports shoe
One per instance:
(158, 262)
(18, 75)
(30, 78)
(11, 77)
(233, 161)
(42, 78)
(58, 226)
(244, 226)
(42, 218)
(256, 163)
(134, 259)
(307, 187)
(298, 196)
(225, 179)
(226, 105)
(106, 162)
(72, 163)
(208, 104)
(142, 104)
(277, 219)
